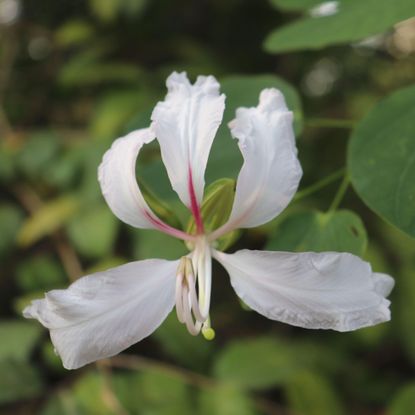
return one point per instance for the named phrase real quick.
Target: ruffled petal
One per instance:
(327, 290)
(185, 124)
(102, 314)
(271, 171)
(117, 178)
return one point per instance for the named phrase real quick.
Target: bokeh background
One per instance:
(76, 74)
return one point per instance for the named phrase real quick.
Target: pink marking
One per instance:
(169, 230)
(194, 206)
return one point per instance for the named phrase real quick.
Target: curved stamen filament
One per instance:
(179, 302)
(192, 303)
(193, 298)
(192, 327)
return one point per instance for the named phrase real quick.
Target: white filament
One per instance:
(193, 308)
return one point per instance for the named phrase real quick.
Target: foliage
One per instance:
(76, 75)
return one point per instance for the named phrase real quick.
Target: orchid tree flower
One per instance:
(102, 314)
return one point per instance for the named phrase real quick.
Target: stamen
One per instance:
(192, 327)
(179, 289)
(193, 299)
(192, 307)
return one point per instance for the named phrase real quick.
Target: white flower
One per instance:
(104, 313)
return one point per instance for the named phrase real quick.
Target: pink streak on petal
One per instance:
(194, 206)
(169, 230)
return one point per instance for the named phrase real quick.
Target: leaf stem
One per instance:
(340, 194)
(330, 123)
(320, 184)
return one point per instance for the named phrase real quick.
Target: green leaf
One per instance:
(406, 289)
(18, 339)
(7, 161)
(105, 10)
(354, 20)
(89, 68)
(10, 222)
(257, 363)
(88, 393)
(155, 244)
(74, 32)
(215, 210)
(49, 218)
(192, 351)
(161, 209)
(18, 381)
(310, 394)
(40, 273)
(404, 402)
(93, 231)
(381, 159)
(116, 108)
(164, 394)
(341, 231)
(63, 403)
(38, 152)
(225, 399)
(225, 159)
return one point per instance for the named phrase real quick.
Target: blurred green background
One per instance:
(76, 74)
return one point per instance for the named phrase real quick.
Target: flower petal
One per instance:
(185, 125)
(271, 171)
(327, 290)
(102, 314)
(117, 178)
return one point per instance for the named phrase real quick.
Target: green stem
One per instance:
(330, 123)
(320, 184)
(340, 194)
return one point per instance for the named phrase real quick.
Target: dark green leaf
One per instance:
(18, 381)
(341, 231)
(381, 159)
(38, 152)
(159, 207)
(18, 339)
(11, 218)
(257, 363)
(93, 231)
(40, 273)
(354, 20)
(74, 32)
(225, 399)
(155, 244)
(191, 351)
(310, 394)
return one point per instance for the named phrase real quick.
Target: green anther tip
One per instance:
(208, 333)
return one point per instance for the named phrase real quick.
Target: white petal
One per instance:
(271, 171)
(383, 283)
(185, 125)
(327, 290)
(102, 314)
(117, 178)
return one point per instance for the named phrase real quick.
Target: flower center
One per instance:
(193, 289)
